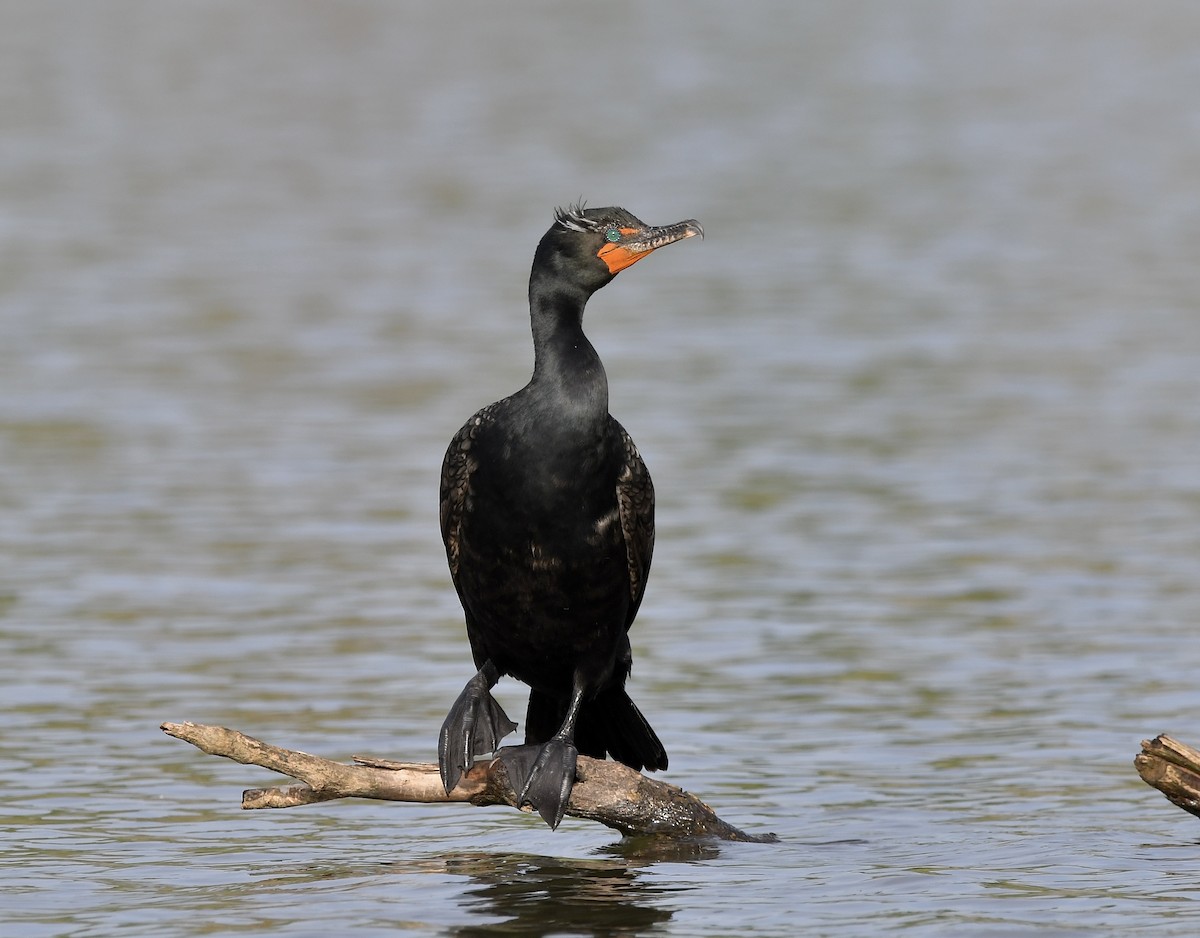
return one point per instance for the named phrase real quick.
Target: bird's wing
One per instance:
(635, 501)
(457, 467)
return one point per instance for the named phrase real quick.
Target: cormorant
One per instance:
(547, 513)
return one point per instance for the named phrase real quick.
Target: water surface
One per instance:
(921, 412)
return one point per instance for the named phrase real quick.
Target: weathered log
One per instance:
(608, 792)
(1174, 769)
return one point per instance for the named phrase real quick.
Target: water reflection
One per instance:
(644, 850)
(536, 895)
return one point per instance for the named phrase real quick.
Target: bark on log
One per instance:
(1174, 769)
(608, 792)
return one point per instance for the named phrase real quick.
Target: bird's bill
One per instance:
(637, 243)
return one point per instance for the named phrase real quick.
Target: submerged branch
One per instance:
(1174, 769)
(608, 792)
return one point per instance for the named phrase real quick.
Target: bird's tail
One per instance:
(610, 723)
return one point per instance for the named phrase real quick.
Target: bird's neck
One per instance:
(567, 373)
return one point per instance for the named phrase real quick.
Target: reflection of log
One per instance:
(608, 792)
(1172, 768)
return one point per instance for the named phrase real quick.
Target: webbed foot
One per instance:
(542, 775)
(473, 727)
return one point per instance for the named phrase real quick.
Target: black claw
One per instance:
(473, 727)
(543, 776)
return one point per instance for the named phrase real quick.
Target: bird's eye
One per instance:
(613, 235)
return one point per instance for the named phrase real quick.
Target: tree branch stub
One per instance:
(1174, 769)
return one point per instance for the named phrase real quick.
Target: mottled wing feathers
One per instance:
(457, 467)
(635, 501)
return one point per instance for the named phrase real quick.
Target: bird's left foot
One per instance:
(543, 776)
(475, 725)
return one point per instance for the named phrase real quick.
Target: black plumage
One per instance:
(547, 514)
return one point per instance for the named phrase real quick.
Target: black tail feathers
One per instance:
(609, 724)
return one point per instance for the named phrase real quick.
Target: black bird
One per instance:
(547, 514)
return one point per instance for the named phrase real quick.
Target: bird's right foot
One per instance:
(473, 727)
(542, 775)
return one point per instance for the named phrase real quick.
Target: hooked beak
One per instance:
(637, 243)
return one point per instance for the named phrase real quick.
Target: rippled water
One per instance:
(921, 411)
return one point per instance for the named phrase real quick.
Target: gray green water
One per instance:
(922, 411)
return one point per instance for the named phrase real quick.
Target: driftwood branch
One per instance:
(1174, 769)
(608, 792)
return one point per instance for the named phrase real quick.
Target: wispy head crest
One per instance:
(572, 218)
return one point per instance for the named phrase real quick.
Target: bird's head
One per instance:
(595, 244)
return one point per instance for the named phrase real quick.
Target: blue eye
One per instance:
(612, 235)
